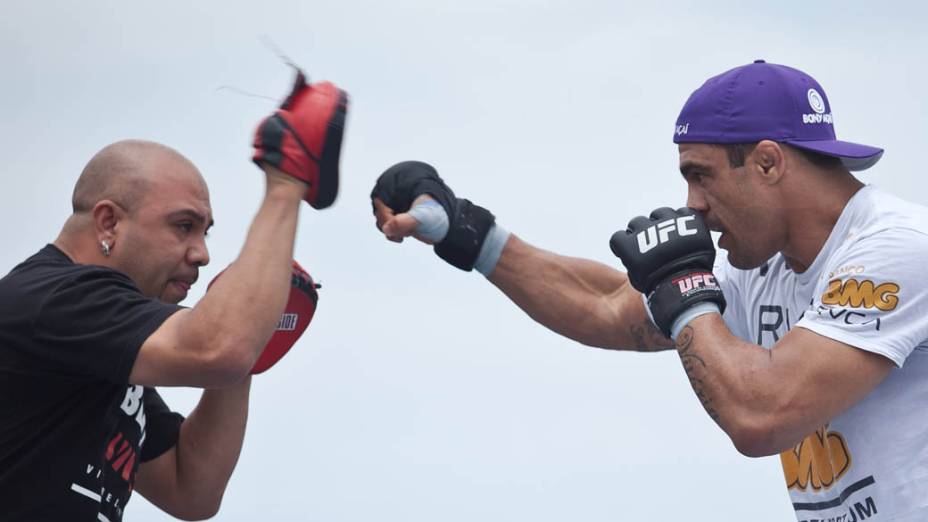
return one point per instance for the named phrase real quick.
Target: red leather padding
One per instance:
(303, 138)
(293, 322)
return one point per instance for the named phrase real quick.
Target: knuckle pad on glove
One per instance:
(638, 223)
(402, 183)
(663, 213)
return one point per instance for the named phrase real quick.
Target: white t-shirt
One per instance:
(868, 288)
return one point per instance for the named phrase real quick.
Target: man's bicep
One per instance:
(168, 357)
(161, 357)
(822, 377)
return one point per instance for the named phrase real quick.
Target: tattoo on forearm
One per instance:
(646, 336)
(696, 370)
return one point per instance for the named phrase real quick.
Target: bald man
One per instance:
(90, 324)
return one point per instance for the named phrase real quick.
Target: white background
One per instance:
(421, 393)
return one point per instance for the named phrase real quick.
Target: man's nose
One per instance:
(696, 199)
(198, 254)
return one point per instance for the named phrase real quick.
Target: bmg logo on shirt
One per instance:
(862, 294)
(817, 461)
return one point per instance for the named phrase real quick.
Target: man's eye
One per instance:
(186, 227)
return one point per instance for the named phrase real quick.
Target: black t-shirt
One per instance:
(72, 429)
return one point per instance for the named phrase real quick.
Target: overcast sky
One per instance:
(420, 393)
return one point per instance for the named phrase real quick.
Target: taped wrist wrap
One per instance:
(491, 250)
(704, 308)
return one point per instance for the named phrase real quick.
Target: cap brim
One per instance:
(853, 156)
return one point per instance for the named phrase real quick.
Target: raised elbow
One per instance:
(201, 511)
(754, 437)
(226, 365)
(751, 446)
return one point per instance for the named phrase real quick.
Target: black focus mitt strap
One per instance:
(468, 224)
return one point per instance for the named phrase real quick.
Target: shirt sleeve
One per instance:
(874, 295)
(162, 426)
(726, 275)
(94, 324)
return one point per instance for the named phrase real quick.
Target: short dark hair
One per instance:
(738, 152)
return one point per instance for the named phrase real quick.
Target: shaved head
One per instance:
(122, 172)
(143, 209)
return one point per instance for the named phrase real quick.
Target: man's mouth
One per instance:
(184, 284)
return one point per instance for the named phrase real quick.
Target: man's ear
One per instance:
(106, 215)
(768, 160)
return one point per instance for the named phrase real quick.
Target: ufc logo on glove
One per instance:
(696, 281)
(660, 233)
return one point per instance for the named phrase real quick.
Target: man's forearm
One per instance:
(242, 307)
(210, 443)
(581, 299)
(736, 385)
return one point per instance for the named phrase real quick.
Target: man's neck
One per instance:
(811, 223)
(75, 242)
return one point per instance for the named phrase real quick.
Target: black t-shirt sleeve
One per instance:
(162, 426)
(94, 324)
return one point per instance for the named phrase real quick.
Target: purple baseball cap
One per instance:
(766, 101)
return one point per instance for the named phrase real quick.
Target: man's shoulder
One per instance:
(882, 214)
(51, 262)
(894, 231)
(50, 270)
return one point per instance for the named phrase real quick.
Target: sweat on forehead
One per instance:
(123, 172)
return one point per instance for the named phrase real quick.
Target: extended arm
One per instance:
(580, 299)
(586, 301)
(188, 481)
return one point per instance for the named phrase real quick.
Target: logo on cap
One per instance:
(818, 106)
(816, 101)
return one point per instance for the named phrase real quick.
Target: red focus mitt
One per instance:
(301, 305)
(304, 138)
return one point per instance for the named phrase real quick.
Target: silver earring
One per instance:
(106, 248)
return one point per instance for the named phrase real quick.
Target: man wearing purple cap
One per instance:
(810, 340)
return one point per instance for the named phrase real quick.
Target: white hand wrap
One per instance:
(433, 220)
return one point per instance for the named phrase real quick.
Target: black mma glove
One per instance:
(669, 257)
(468, 224)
